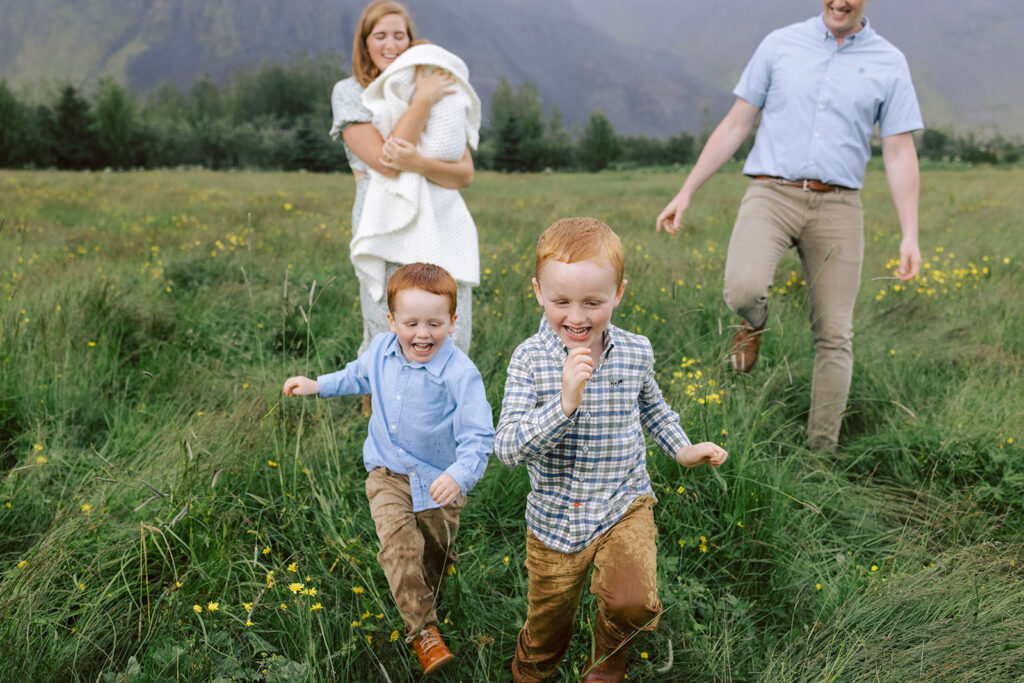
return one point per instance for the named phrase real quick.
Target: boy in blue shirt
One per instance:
(429, 436)
(575, 399)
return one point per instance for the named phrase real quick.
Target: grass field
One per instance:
(164, 515)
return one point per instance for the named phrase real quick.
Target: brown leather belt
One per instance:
(806, 184)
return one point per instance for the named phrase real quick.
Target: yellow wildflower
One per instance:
(198, 609)
(247, 606)
(394, 636)
(293, 567)
(272, 463)
(817, 586)
(451, 570)
(295, 587)
(643, 655)
(358, 590)
(874, 567)
(38, 447)
(284, 606)
(505, 560)
(22, 564)
(316, 607)
(369, 639)
(213, 606)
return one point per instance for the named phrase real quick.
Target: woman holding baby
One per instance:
(391, 234)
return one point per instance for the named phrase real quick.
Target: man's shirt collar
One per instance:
(855, 38)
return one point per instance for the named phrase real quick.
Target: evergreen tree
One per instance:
(12, 129)
(531, 127)
(74, 141)
(115, 126)
(599, 146)
(559, 150)
(504, 128)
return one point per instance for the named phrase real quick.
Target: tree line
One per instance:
(277, 117)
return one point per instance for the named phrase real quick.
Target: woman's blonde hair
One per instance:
(363, 67)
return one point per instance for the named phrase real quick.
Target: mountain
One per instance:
(655, 67)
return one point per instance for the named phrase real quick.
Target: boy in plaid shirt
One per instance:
(575, 399)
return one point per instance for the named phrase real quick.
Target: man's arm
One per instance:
(904, 178)
(720, 147)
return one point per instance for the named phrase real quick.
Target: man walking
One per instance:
(820, 86)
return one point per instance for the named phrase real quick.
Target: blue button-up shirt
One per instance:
(585, 469)
(428, 418)
(820, 102)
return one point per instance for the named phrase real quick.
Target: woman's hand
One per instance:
(430, 88)
(401, 155)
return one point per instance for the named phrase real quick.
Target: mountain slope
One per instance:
(654, 66)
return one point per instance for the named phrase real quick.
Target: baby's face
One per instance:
(579, 299)
(422, 323)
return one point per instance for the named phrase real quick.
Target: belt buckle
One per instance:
(805, 188)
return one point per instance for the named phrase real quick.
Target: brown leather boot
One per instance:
(745, 346)
(431, 650)
(606, 667)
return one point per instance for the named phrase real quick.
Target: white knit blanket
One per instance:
(408, 218)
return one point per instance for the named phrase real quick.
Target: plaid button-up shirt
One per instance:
(585, 470)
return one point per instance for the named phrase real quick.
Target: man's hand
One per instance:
(577, 371)
(671, 217)
(910, 259)
(701, 454)
(300, 386)
(444, 490)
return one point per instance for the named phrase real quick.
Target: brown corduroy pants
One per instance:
(415, 547)
(624, 580)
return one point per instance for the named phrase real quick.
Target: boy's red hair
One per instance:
(571, 240)
(425, 276)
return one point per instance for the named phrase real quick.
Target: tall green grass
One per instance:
(160, 504)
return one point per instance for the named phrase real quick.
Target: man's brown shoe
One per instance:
(607, 669)
(431, 650)
(745, 346)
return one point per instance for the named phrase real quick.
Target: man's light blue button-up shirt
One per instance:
(428, 418)
(820, 102)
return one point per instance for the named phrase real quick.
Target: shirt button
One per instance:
(398, 398)
(817, 135)
(394, 427)
(828, 79)
(821, 106)
(810, 163)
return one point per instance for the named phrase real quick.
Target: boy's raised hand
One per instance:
(300, 386)
(700, 454)
(577, 371)
(444, 489)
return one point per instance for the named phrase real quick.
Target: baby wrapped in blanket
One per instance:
(407, 218)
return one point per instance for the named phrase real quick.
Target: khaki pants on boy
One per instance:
(415, 547)
(827, 229)
(624, 581)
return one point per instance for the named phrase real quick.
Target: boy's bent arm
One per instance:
(527, 431)
(474, 431)
(661, 422)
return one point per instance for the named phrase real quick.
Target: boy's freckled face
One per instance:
(422, 323)
(578, 300)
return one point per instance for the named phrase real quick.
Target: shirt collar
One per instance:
(553, 343)
(434, 366)
(855, 38)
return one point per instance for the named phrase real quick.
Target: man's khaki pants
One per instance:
(827, 229)
(624, 581)
(415, 547)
